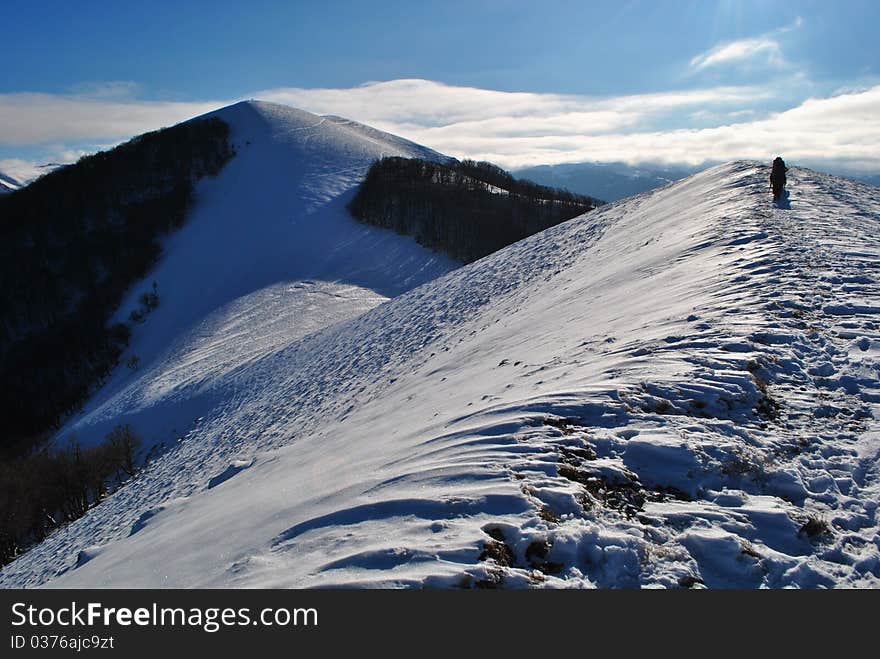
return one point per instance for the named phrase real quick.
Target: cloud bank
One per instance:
(520, 129)
(516, 129)
(31, 118)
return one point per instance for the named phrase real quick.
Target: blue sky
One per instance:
(516, 82)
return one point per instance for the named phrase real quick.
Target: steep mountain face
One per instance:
(268, 254)
(608, 181)
(677, 390)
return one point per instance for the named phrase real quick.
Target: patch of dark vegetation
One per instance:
(577, 455)
(584, 501)
(466, 209)
(72, 243)
(793, 448)
(573, 474)
(763, 369)
(148, 303)
(662, 407)
(567, 426)
(742, 463)
(537, 551)
(49, 488)
(625, 496)
(689, 581)
(501, 554)
(496, 548)
(545, 513)
(667, 492)
(748, 549)
(767, 407)
(654, 405)
(698, 408)
(494, 580)
(536, 556)
(815, 528)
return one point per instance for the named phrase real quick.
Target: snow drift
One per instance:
(680, 389)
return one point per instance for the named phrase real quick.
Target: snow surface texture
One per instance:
(680, 389)
(269, 255)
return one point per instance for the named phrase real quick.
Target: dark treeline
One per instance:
(51, 487)
(466, 209)
(71, 244)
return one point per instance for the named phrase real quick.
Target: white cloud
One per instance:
(33, 118)
(745, 50)
(18, 169)
(764, 50)
(516, 128)
(428, 103)
(840, 129)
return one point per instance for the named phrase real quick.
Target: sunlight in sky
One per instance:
(80, 80)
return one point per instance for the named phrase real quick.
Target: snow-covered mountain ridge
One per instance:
(674, 390)
(8, 184)
(23, 173)
(268, 255)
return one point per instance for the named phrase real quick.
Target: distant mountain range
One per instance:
(8, 183)
(873, 180)
(608, 181)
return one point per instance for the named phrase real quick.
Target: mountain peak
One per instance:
(265, 109)
(271, 226)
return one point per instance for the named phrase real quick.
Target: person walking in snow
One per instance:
(777, 178)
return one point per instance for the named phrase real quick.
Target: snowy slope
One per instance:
(268, 255)
(663, 392)
(18, 173)
(8, 184)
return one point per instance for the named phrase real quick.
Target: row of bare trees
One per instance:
(466, 209)
(54, 486)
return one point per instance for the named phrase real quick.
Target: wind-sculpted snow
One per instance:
(677, 390)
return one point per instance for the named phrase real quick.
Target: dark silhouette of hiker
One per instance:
(777, 178)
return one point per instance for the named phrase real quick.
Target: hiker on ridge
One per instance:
(777, 178)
